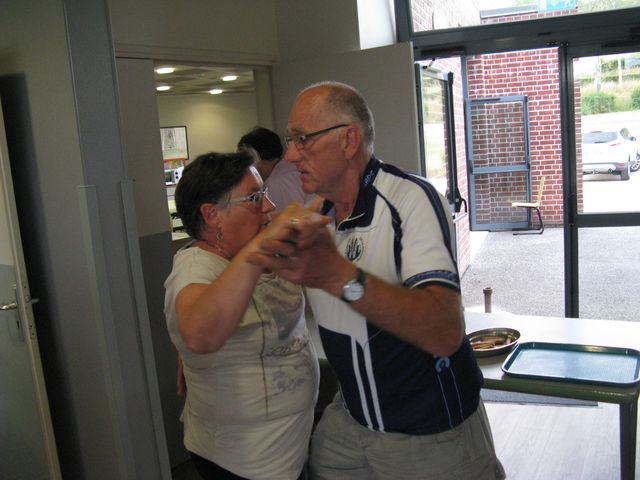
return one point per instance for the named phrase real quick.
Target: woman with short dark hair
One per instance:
(251, 371)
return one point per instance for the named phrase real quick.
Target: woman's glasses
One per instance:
(255, 198)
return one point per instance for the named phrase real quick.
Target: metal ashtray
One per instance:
(493, 341)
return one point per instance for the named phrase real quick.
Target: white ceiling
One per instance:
(199, 79)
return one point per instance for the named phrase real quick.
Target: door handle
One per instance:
(14, 305)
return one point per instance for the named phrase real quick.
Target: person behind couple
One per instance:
(250, 369)
(385, 292)
(281, 178)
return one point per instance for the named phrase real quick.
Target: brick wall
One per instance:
(578, 126)
(497, 135)
(533, 73)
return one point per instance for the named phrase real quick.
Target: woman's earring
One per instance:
(219, 236)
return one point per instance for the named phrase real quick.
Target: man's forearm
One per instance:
(430, 318)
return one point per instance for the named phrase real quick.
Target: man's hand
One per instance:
(294, 228)
(297, 224)
(313, 261)
(299, 247)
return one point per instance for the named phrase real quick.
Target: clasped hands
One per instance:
(297, 245)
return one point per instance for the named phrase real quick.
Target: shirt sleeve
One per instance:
(428, 240)
(193, 266)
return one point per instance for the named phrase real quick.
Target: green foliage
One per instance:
(597, 102)
(635, 99)
(622, 104)
(609, 65)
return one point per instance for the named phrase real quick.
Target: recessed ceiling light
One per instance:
(229, 78)
(163, 70)
(163, 88)
(215, 91)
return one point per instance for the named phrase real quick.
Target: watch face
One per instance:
(353, 291)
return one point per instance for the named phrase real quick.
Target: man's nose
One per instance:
(291, 154)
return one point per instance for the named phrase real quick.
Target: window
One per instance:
(437, 112)
(435, 131)
(431, 15)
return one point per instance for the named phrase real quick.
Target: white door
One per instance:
(27, 447)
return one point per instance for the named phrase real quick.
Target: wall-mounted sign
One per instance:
(174, 143)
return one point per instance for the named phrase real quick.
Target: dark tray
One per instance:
(575, 363)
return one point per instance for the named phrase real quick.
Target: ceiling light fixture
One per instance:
(163, 70)
(163, 88)
(229, 78)
(215, 91)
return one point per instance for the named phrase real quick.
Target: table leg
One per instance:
(628, 427)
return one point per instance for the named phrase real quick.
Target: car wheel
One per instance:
(635, 164)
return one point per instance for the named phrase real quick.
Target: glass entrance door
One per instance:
(605, 201)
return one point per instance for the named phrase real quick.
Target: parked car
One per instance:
(610, 151)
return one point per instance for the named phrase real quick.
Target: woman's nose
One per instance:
(267, 204)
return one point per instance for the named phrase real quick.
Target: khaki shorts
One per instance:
(341, 448)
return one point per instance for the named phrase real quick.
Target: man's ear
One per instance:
(352, 140)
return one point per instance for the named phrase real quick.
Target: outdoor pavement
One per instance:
(526, 273)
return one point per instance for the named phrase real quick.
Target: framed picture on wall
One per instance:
(174, 143)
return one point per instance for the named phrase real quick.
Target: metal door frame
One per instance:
(474, 171)
(573, 219)
(453, 192)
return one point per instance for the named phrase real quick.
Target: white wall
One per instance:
(236, 31)
(214, 122)
(385, 78)
(308, 28)
(376, 19)
(141, 132)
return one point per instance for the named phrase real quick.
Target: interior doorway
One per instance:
(207, 122)
(210, 106)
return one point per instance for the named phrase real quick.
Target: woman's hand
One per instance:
(301, 248)
(294, 228)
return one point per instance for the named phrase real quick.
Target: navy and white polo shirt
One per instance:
(400, 231)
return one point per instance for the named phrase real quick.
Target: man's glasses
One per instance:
(255, 198)
(302, 139)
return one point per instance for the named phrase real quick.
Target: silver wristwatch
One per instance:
(354, 289)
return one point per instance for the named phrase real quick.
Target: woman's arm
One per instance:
(208, 314)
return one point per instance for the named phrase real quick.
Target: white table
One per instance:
(607, 333)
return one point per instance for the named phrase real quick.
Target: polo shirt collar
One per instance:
(365, 202)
